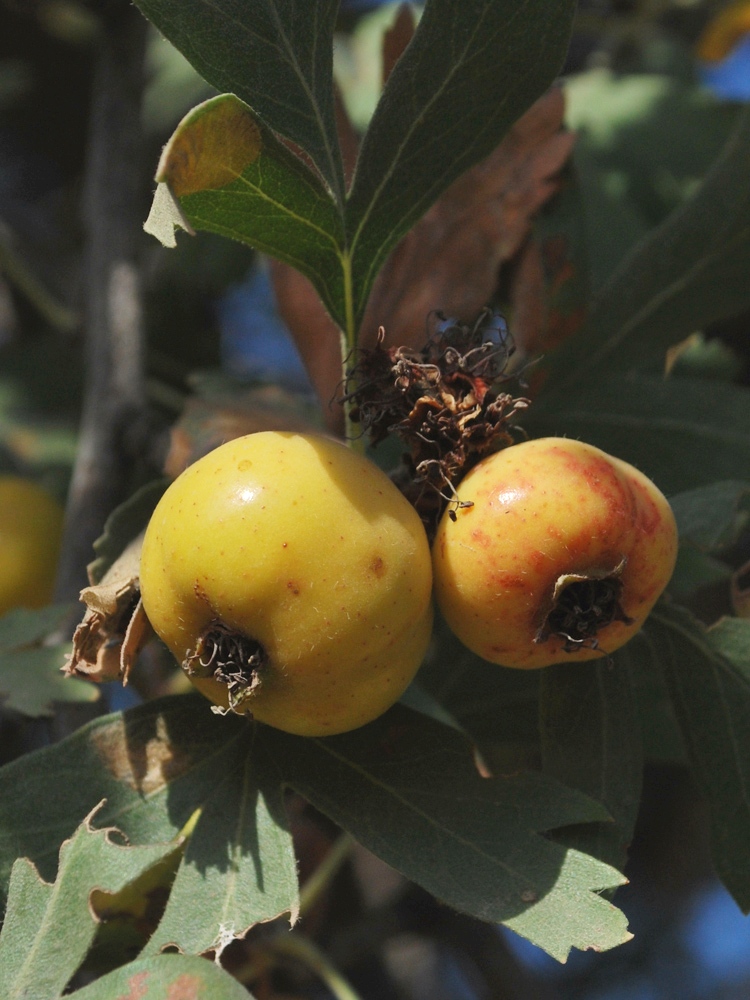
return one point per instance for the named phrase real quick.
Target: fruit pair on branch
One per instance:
(294, 581)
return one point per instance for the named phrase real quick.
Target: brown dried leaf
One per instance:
(528, 298)
(114, 628)
(137, 634)
(545, 296)
(450, 260)
(397, 37)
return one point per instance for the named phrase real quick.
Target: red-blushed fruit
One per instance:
(292, 580)
(560, 559)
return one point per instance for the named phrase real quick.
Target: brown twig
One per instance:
(112, 299)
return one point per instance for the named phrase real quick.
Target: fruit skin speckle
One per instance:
(300, 544)
(551, 508)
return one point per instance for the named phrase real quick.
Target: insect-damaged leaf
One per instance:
(48, 929)
(227, 173)
(155, 765)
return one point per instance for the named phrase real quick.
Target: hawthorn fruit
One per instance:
(559, 557)
(292, 580)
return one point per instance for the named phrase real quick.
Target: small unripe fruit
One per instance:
(292, 580)
(30, 532)
(560, 559)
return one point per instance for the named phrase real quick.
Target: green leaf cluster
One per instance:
(394, 785)
(472, 68)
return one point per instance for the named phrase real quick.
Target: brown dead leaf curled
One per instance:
(114, 628)
(450, 260)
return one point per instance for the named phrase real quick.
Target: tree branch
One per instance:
(112, 299)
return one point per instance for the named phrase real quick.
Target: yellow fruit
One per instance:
(292, 580)
(560, 559)
(30, 533)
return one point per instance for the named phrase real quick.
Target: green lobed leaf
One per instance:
(658, 723)
(48, 929)
(683, 433)
(708, 675)
(591, 741)
(689, 271)
(497, 707)
(227, 173)
(156, 765)
(25, 626)
(239, 863)
(471, 70)
(707, 516)
(276, 55)
(31, 680)
(406, 787)
(166, 977)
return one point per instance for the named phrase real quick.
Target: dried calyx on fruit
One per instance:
(291, 580)
(448, 402)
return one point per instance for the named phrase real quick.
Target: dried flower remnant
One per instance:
(447, 402)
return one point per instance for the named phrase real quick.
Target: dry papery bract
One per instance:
(115, 628)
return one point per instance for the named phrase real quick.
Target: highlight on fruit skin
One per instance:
(292, 580)
(560, 557)
(31, 525)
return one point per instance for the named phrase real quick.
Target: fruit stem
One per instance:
(352, 430)
(325, 871)
(303, 950)
(353, 433)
